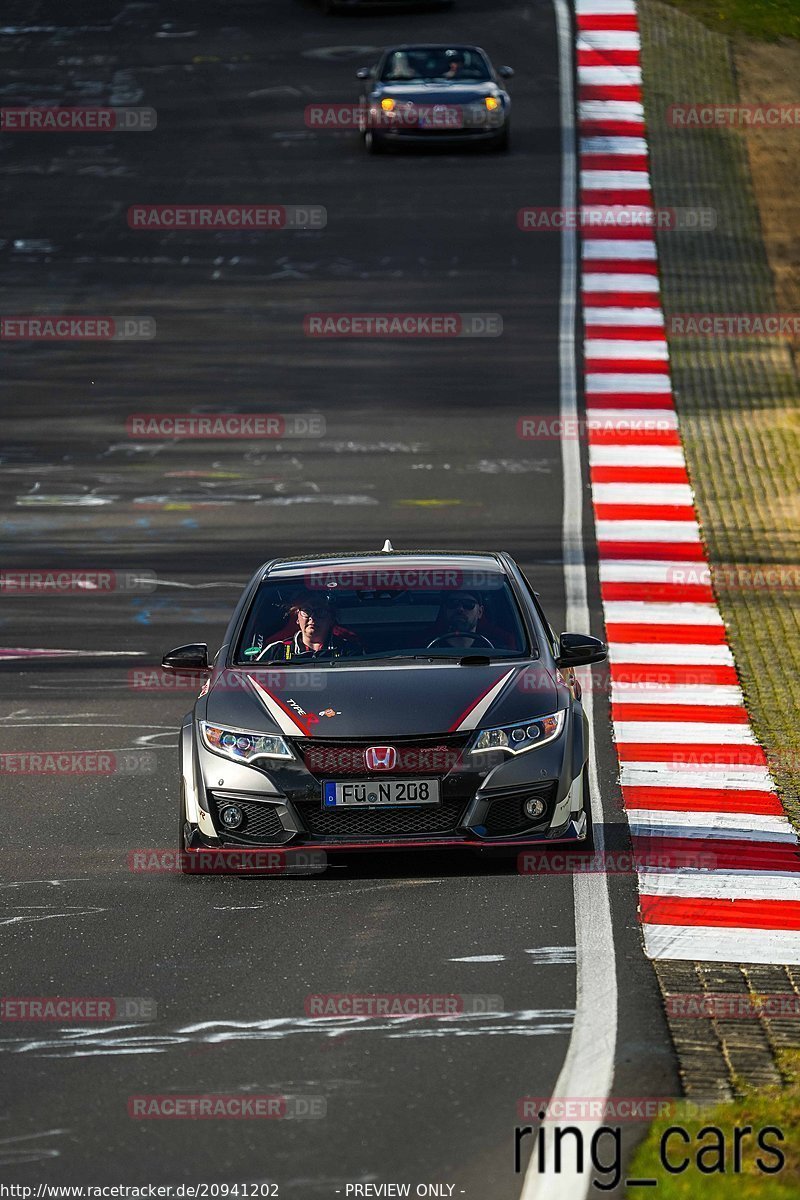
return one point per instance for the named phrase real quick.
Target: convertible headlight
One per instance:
(492, 103)
(516, 739)
(242, 746)
(387, 104)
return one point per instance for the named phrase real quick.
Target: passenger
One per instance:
(318, 635)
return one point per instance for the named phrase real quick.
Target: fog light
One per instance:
(534, 808)
(231, 816)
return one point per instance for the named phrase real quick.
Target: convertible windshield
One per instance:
(429, 63)
(353, 614)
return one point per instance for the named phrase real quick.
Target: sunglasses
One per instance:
(460, 602)
(321, 611)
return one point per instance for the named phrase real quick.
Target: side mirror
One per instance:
(505, 72)
(580, 649)
(364, 73)
(187, 659)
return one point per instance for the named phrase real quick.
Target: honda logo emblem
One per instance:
(381, 758)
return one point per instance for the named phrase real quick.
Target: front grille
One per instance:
(381, 822)
(261, 821)
(415, 756)
(506, 815)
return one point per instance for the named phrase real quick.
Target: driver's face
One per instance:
(463, 613)
(315, 621)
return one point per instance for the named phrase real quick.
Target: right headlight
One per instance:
(516, 739)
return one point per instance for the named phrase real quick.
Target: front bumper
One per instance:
(482, 798)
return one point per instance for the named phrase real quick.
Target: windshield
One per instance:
(434, 63)
(348, 615)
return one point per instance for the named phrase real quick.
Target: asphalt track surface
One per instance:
(420, 446)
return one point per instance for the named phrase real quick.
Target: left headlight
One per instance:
(242, 745)
(516, 739)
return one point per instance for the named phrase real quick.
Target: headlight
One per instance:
(516, 739)
(492, 103)
(242, 746)
(387, 104)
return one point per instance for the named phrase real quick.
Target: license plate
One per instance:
(389, 793)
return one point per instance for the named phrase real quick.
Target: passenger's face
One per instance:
(315, 622)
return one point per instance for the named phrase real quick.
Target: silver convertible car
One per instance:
(443, 95)
(386, 700)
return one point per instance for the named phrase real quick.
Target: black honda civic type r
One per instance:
(388, 700)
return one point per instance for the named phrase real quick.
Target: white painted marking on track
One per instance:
(716, 695)
(681, 654)
(610, 76)
(709, 825)
(612, 110)
(608, 39)
(480, 958)
(622, 181)
(648, 531)
(650, 350)
(643, 493)
(623, 249)
(649, 317)
(690, 775)
(636, 456)
(591, 8)
(645, 571)
(600, 383)
(607, 281)
(655, 613)
(721, 885)
(696, 942)
(671, 733)
(614, 144)
(588, 1068)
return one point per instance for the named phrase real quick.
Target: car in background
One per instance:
(435, 94)
(431, 704)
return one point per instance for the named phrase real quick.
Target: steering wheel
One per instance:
(446, 637)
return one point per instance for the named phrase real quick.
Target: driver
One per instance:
(463, 611)
(317, 635)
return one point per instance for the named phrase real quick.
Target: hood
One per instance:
(400, 701)
(437, 92)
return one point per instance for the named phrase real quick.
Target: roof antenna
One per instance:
(388, 548)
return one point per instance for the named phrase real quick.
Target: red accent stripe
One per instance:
(625, 333)
(620, 299)
(607, 474)
(644, 512)
(699, 754)
(627, 366)
(719, 854)
(669, 635)
(715, 714)
(609, 58)
(671, 799)
(473, 704)
(601, 21)
(610, 91)
(304, 726)
(720, 913)
(630, 197)
(670, 674)
(615, 162)
(669, 592)
(657, 551)
(633, 437)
